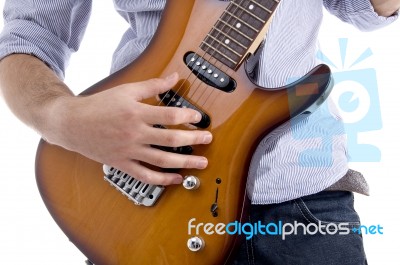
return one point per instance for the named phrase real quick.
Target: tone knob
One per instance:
(191, 183)
(195, 244)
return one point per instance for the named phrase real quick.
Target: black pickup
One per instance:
(172, 99)
(209, 73)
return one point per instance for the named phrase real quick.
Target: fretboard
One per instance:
(235, 31)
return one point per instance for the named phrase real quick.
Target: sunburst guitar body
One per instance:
(115, 219)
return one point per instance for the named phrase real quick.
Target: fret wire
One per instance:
(224, 54)
(223, 44)
(232, 38)
(219, 52)
(248, 25)
(247, 11)
(263, 7)
(241, 33)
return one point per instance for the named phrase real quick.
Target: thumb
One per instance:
(155, 86)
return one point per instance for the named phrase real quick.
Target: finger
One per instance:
(164, 159)
(169, 115)
(149, 176)
(175, 138)
(153, 87)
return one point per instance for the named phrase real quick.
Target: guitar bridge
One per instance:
(137, 191)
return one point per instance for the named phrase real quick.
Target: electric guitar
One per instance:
(114, 218)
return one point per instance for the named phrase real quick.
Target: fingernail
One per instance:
(172, 76)
(202, 163)
(177, 181)
(197, 117)
(207, 138)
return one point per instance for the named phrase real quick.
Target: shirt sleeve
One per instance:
(359, 13)
(50, 30)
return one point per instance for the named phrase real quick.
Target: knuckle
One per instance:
(199, 137)
(172, 140)
(155, 81)
(187, 163)
(132, 114)
(125, 114)
(172, 116)
(129, 136)
(134, 134)
(145, 177)
(164, 181)
(155, 84)
(161, 162)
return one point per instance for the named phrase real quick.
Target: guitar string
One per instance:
(211, 51)
(217, 63)
(230, 29)
(211, 54)
(222, 65)
(226, 35)
(189, 89)
(253, 15)
(239, 6)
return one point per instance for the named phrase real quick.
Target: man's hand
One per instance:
(385, 8)
(114, 128)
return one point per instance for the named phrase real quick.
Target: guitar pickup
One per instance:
(185, 150)
(208, 73)
(172, 99)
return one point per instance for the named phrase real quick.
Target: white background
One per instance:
(28, 234)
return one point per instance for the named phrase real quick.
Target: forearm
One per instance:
(385, 8)
(30, 89)
(36, 95)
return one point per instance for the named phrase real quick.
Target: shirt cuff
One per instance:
(361, 13)
(22, 36)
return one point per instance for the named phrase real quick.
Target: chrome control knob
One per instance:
(191, 183)
(195, 244)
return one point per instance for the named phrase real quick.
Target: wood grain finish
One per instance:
(108, 228)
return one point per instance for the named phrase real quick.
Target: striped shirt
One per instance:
(292, 161)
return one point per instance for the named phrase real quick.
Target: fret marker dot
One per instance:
(238, 25)
(215, 75)
(251, 7)
(227, 41)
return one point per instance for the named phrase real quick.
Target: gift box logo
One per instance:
(355, 94)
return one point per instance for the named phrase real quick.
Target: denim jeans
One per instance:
(327, 207)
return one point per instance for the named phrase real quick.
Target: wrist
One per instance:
(58, 120)
(385, 8)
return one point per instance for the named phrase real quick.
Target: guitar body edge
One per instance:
(107, 227)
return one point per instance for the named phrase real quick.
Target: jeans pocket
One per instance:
(329, 207)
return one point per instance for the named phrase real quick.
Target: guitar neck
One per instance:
(239, 30)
